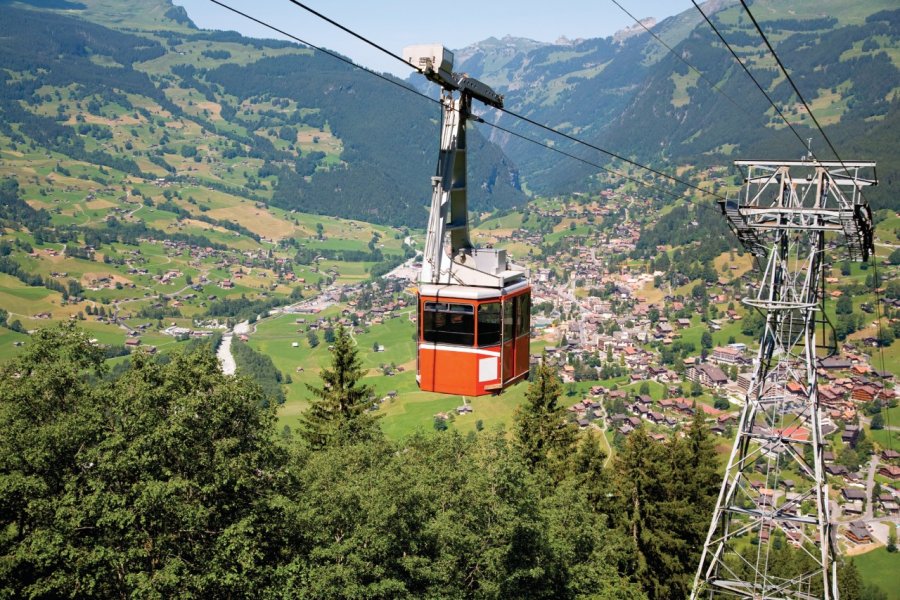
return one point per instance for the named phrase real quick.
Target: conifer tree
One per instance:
(544, 435)
(849, 581)
(339, 409)
(700, 468)
(653, 503)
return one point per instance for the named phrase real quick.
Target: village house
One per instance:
(858, 533)
(726, 355)
(889, 471)
(707, 374)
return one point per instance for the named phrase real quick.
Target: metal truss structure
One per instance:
(774, 491)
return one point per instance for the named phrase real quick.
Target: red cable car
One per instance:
(473, 341)
(474, 305)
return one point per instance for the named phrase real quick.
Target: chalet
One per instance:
(889, 471)
(835, 363)
(829, 396)
(858, 533)
(132, 342)
(836, 470)
(859, 369)
(889, 504)
(794, 387)
(853, 508)
(864, 393)
(655, 417)
(682, 323)
(684, 406)
(726, 419)
(625, 428)
(890, 454)
(853, 494)
(850, 435)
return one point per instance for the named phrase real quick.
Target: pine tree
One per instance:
(544, 435)
(849, 581)
(695, 486)
(663, 499)
(339, 409)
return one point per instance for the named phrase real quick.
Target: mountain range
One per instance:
(694, 105)
(135, 90)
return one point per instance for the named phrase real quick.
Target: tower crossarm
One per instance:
(804, 195)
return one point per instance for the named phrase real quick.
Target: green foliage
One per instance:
(721, 403)
(259, 368)
(340, 410)
(312, 338)
(243, 308)
(542, 429)
(156, 484)
(170, 480)
(385, 158)
(665, 494)
(844, 305)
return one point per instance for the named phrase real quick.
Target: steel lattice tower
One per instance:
(786, 210)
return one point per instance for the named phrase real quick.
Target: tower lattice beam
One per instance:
(788, 215)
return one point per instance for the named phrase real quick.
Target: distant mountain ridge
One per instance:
(137, 88)
(629, 94)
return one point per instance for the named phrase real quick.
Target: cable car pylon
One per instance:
(784, 213)
(474, 304)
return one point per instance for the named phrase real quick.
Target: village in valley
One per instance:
(634, 345)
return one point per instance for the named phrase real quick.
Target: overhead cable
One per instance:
(681, 58)
(749, 74)
(510, 112)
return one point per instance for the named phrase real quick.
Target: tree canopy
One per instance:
(167, 478)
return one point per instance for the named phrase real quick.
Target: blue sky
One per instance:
(398, 23)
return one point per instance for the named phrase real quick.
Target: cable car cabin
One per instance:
(474, 303)
(473, 340)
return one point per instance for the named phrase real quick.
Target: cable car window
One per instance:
(523, 315)
(489, 324)
(508, 320)
(446, 323)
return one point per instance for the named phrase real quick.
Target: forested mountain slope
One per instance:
(638, 99)
(268, 120)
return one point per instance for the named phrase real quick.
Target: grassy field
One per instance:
(880, 567)
(410, 410)
(414, 410)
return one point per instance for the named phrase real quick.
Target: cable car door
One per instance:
(509, 340)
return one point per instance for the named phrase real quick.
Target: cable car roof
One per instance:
(465, 292)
